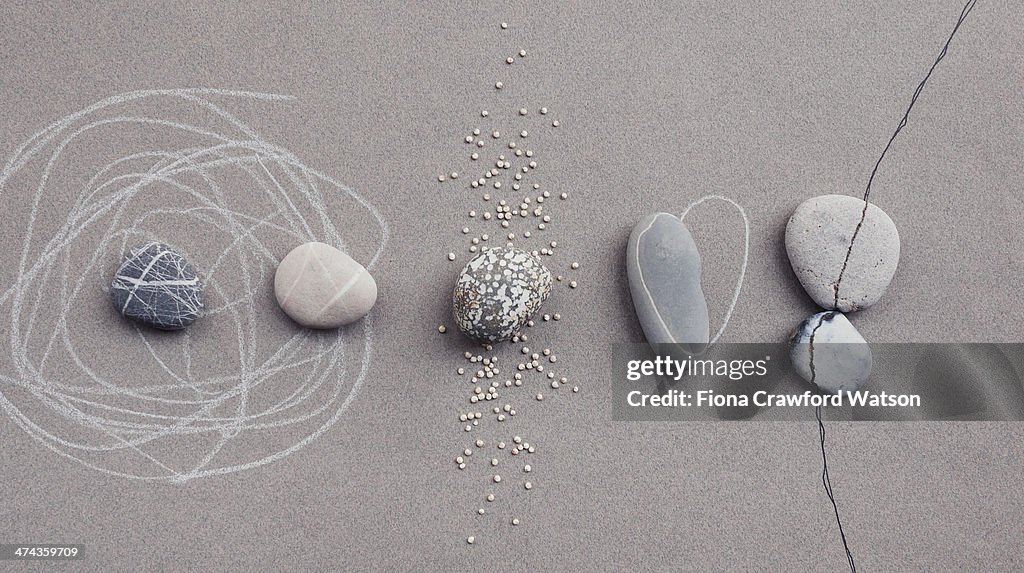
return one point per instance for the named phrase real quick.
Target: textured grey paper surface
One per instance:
(659, 104)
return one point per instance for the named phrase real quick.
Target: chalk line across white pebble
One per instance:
(173, 418)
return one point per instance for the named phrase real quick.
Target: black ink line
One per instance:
(827, 482)
(903, 122)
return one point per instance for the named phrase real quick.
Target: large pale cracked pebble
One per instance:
(319, 286)
(664, 270)
(818, 241)
(497, 293)
(827, 351)
(157, 286)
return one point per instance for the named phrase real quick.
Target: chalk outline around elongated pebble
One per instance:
(739, 279)
(168, 165)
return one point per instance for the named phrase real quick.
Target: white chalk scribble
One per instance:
(226, 395)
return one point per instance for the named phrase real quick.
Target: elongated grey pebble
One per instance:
(664, 269)
(827, 351)
(319, 286)
(838, 271)
(157, 286)
(498, 292)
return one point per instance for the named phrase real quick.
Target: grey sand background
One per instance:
(659, 105)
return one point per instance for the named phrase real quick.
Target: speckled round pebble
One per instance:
(498, 292)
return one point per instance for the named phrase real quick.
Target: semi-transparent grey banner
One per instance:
(765, 382)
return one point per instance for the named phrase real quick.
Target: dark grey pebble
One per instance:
(157, 286)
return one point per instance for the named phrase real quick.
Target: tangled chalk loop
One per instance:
(743, 264)
(243, 387)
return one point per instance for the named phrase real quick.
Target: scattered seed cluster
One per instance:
(507, 209)
(505, 178)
